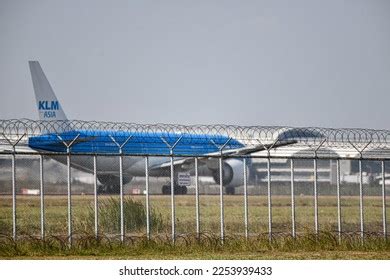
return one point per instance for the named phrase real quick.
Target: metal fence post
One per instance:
(95, 193)
(197, 212)
(147, 197)
(221, 206)
(293, 226)
(221, 202)
(361, 200)
(122, 216)
(245, 199)
(339, 228)
(361, 210)
(13, 144)
(315, 198)
(173, 206)
(69, 184)
(269, 193)
(13, 197)
(42, 202)
(269, 198)
(69, 196)
(121, 196)
(384, 200)
(316, 224)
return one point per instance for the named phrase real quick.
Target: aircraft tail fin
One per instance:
(49, 107)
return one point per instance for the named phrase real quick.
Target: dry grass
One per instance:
(307, 246)
(28, 214)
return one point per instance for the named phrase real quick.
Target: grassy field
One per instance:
(258, 247)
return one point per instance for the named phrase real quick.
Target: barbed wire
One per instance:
(303, 137)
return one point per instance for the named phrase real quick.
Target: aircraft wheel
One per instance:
(178, 190)
(166, 189)
(230, 190)
(102, 189)
(115, 189)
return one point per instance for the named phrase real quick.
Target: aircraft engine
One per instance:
(233, 173)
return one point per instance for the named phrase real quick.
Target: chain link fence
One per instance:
(120, 180)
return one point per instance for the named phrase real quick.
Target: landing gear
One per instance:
(108, 189)
(230, 190)
(166, 189)
(111, 183)
(184, 190)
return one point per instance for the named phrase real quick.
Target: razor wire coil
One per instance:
(377, 141)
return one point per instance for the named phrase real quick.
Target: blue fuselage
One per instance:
(138, 143)
(134, 143)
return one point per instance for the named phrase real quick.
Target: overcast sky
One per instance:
(298, 63)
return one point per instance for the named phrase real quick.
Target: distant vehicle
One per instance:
(145, 143)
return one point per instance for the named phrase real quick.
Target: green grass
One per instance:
(134, 213)
(307, 246)
(28, 214)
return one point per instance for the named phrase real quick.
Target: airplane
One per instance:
(89, 141)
